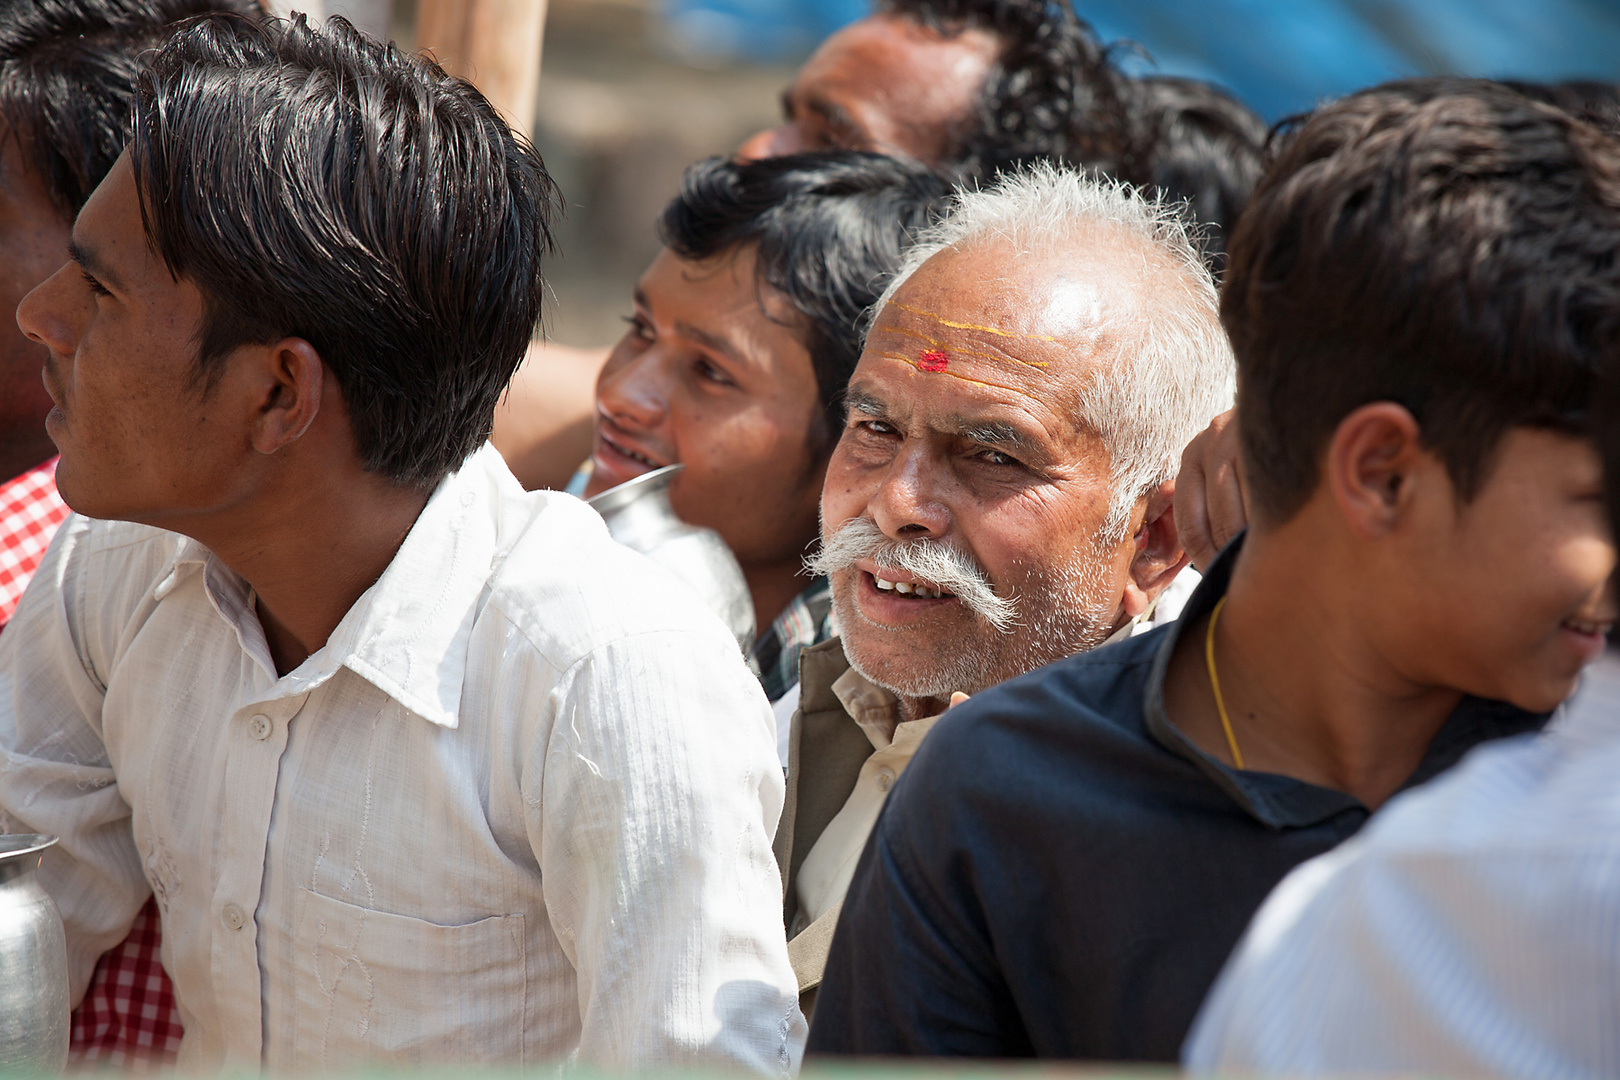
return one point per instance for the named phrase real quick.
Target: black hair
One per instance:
(1447, 244)
(318, 184)
(829, 229)
(67, 81)
(1054, 92)
(1199, 144)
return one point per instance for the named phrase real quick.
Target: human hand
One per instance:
(1211, 505)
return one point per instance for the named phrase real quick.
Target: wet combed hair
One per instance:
(1199, 144)
(1446, 244)
(1053, 93)
(829, 229)
(67, 81)
(318, 184)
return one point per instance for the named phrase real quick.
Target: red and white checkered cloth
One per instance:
(30, 511)
(128, 1018)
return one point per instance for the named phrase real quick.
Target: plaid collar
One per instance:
(804, 622)
(30, 511)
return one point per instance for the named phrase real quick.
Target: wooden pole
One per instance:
(495, 44)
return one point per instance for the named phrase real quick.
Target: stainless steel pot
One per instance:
(639, 516)
(34, 1000)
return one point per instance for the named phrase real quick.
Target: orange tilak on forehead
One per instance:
(934, 358)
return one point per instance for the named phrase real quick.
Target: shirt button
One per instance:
(885, 779)
(259, 726)
(232, 917)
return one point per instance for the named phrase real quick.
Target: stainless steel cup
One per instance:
(639, 516)
(34, 999)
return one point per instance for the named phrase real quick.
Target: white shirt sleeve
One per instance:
(678, 945)
(56, 776)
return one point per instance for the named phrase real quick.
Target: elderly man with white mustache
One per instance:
(1001, 494)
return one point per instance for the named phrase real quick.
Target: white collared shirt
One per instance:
(1471, 929)
(519, 806)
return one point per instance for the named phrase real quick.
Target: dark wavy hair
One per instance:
(1053, 93)
(1199, 144)
(318, 184)
(67, 81)
(829, 228)
(1447, 244)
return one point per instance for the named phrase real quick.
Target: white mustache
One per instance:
(938, 564)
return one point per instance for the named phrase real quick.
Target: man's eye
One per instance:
(95, 286)
(710, 372)
(996, 457)
(875, 427)
(639, 327)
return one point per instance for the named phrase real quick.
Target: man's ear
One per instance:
(1159, 556)
(292, 380)
(1371, 461)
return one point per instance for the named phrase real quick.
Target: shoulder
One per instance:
(567, 587)
(1060, 713)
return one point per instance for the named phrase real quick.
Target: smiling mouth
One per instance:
(913, 589)
(1593, 627)
(625, 451)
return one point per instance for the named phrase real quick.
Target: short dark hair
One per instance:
(1446, 244)
(67, 81)
(318, 184)
(829, 229)
(1588, 99)
(1054, 92)
(1198, 144)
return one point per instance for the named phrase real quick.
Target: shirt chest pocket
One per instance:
(388, 988)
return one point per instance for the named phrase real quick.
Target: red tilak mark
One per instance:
(932, 360)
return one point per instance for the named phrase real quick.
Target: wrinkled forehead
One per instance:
(1042, 326)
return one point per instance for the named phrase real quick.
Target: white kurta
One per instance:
(519, 807)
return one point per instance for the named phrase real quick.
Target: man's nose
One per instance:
(772, 142)
(46, 313)
(911, 502)
(635, 394)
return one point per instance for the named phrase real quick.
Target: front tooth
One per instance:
(884, 585)
(903, 588)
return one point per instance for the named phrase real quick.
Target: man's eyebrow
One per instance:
(862, 402)
(993, 433)
(91, 265)
(710, 341)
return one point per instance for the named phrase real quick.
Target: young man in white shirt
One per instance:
(418, 767)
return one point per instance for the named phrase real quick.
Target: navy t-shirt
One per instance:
(1061, 873)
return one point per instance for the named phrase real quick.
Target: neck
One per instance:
(1309, 692)
(310, 549)
(22, 450)
(917, 708)
(773, 586)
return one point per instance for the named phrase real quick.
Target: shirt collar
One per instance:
(408, 634)
(1282, 801)
(875, 709)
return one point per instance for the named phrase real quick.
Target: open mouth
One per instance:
(626, 452)
(912, 588)
(1593, 627)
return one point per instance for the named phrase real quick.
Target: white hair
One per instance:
(1150, 404)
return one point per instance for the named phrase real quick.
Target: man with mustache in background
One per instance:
(1000, 495)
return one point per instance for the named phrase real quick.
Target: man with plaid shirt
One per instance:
(54, 149)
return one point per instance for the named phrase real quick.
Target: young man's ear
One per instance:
(291, 380)
(1371, 461)
(1159, 556)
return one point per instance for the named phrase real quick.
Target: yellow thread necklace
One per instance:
(1215, 684)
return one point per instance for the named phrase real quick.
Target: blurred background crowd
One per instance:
(632, 91)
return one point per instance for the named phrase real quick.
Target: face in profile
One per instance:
(33, 244)
(137, 437)
(964, 510)
(882, 84)
(713, 373)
